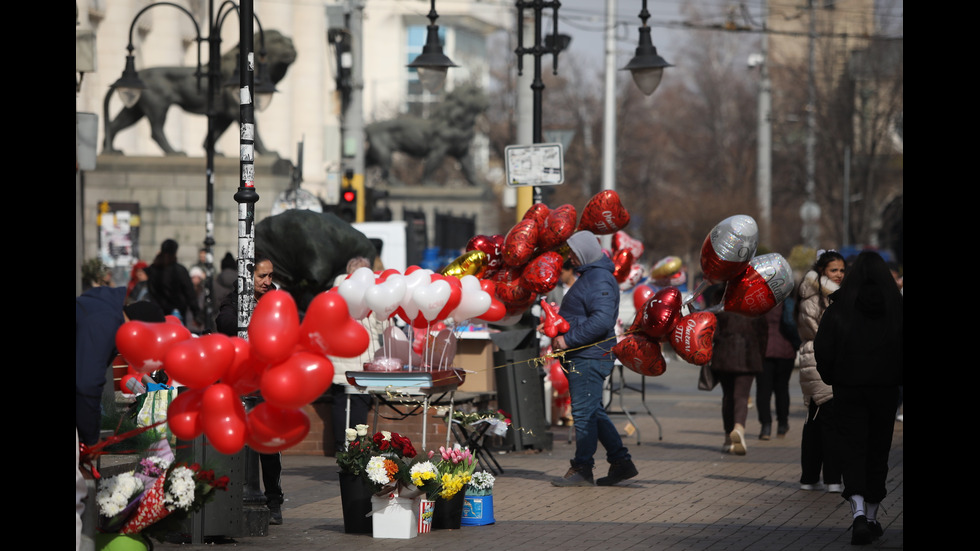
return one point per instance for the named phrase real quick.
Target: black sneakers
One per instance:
(276, 517)
(618, 472)
(576, 476)
(861, 533)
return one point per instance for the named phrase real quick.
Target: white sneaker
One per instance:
(812, 487)
(835, 488)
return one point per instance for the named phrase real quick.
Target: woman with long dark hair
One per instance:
(859, 351)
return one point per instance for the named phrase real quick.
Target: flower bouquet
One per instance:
(155, 497)
(498, 420)
(381, 460)
(478, 508)
(444, 481)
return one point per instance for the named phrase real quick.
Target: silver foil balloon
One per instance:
(735, 238)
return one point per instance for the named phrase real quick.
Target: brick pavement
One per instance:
(688, 495)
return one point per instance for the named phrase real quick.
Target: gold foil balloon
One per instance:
(469, 263)
(666, 267)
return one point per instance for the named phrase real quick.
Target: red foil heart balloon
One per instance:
(538, 212)
(766, 282)
(728, 248)
(145, 344)
(661, 312)
(198, 363)
(641, 354)
(490, 246)
(520, 242)
(604, 214)
(623, 263)
(641, 295)
(541, 274)
(329, 329)
(692, 337)
(558, 227)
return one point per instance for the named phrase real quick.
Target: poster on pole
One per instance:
(540, 164)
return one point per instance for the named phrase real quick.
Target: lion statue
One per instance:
(447, 132)
(168, 86)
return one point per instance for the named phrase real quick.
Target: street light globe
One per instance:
(432, 79)
(647, 80)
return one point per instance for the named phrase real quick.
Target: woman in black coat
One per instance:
(859, 351)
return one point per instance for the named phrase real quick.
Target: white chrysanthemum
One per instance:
(422, 473)
(482, 480)
(181, 492)
(115, 493)
(376, 470)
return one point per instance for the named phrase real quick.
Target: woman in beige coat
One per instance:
(818, 448)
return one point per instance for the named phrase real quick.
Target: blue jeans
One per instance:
(592, 425)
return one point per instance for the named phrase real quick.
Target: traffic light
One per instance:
(351, 205)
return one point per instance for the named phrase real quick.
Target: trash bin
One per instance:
(520, 389)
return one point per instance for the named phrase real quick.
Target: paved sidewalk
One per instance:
(688, 495)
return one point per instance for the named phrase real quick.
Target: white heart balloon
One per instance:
(385, 297)
(474, 301)
(432, 298)
(413, 281)
(353, 289)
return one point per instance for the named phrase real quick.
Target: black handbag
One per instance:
(706, 380)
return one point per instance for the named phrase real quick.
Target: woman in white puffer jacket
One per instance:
(818, 449)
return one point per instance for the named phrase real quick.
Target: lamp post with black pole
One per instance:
(129, 88)
(255, 88)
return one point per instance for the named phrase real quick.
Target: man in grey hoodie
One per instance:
(591, 308)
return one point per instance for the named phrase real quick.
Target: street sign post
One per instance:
(540, 164)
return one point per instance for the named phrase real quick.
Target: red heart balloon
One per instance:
(558, 227)
(489, 246)
(200, 362)
(497, 309)
(604, 214)
(144, 344)
(538, 212)
(274, 328)
(223, 418)
(729, 246)
(641, 354)
(520, 242)
(299, 380)
(540, 275)
(455, 294)
(765, 282)
(622, 264)
(184, 414)
(661, 312)
(329, 329)
(692, 337)
(272, 429)
(245, 372)
(641, 294)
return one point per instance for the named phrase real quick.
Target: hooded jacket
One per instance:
(591, 305)
(815, 291)
(98, 315)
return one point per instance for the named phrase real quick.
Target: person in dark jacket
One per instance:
(170, 284)
(859, 351)
(737, 352)
(777, 368)
(591, 308)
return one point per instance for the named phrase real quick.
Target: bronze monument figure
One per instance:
(169, 86)
(447, 132)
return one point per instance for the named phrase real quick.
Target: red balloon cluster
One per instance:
(527, 261)
(282, 358)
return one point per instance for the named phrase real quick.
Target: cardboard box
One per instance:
(475, 356)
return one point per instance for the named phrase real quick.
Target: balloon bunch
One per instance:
(753, 286)
(527, 261)
(283, 358)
